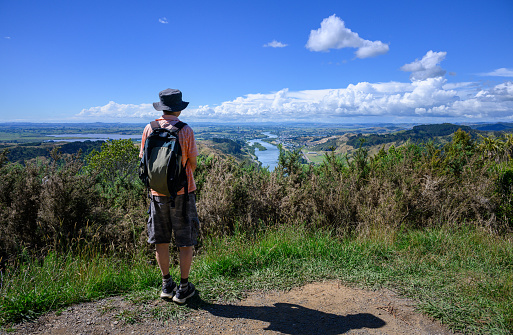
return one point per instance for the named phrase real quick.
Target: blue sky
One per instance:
(257, 61)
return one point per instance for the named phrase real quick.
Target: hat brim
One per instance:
(174, 108)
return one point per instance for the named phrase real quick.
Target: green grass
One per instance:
(34, 288)
(315, 158)
(10, 136)
(462, 277)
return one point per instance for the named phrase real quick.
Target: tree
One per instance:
(492, 147)
(116, 170)
(458, 151)
(117, 159)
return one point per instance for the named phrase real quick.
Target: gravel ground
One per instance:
(315, 309)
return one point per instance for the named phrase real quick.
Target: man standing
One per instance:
(164, 217)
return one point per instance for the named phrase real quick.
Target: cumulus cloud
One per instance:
(429, 98)
(115, 110)
(275, 44)
(420, 99)
(495, 102)
(163, 20)
(502, 72)
(362, 99)
(333, 34)
(427, 67)
(501, 92)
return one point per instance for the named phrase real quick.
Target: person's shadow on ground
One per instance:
(293, 319)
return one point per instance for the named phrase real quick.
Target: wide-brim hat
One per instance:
(170, 100)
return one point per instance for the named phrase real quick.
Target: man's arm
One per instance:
(191, 149)
(193, 162)
(143, 140)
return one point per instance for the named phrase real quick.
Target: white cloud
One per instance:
(501, 92)
(432, 98)
(502, 72)
(275, 44)
(455, 86)
(163, 20)
(333, 34)
(7, 37)
(115, 110)
(427, 67)
(371, 49)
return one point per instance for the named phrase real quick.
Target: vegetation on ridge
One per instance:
(422, 133)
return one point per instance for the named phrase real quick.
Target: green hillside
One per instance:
(21, 153)
(423, 133)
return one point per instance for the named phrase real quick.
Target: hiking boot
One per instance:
(168, 288)
(184, 293)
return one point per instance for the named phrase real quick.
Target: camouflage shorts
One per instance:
(165, 219)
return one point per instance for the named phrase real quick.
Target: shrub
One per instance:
(115, 168)
(410, 186)
(66, 201)
(236, 195)
(44, 204)
(56, 203)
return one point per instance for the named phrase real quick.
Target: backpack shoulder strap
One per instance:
(154, 125)
(179, 125)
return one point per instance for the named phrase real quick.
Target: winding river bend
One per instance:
(267, 157)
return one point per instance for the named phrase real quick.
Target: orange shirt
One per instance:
(187, 142)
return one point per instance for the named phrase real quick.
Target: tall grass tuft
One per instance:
(35, 287)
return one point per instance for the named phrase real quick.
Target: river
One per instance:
(267, 157)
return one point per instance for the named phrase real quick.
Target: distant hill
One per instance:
(23, 152)
(224, 147)
(422, 133)
(501, 126)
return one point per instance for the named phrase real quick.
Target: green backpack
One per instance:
(161, 166)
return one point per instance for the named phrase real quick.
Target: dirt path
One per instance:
(319, 308)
